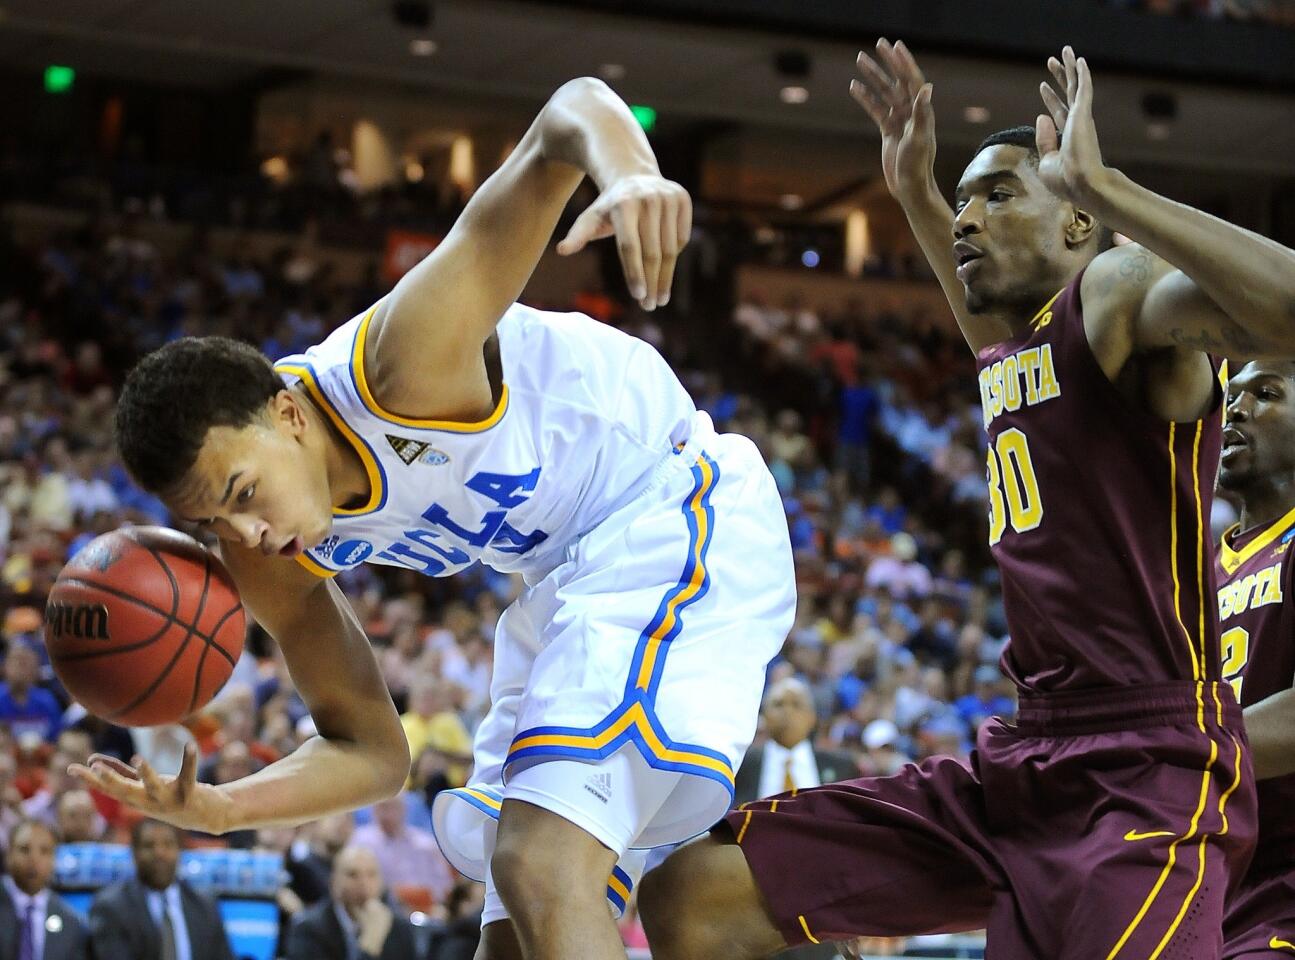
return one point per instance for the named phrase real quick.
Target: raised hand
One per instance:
(895, 94)
(1073, 167)
(651, 218)
(179, 800)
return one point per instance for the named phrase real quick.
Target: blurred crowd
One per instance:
(1280, 12)
(866, 414)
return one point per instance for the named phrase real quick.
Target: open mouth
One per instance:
(292, 547)
(966, 255)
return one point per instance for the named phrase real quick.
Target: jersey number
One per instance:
(1236, 653)
(1013, 487)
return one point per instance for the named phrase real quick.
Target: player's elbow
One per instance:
(392, 762)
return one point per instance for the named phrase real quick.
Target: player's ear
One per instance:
(1082, 225)
(286, 411)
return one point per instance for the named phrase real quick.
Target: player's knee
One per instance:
(533, 870)
(670, 907)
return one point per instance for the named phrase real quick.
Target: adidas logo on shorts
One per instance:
(600, 785)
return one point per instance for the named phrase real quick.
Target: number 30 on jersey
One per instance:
(1013, 487)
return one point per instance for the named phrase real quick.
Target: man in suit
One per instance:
(353, 923)
(35, 922)
(153, 915)
(787, 759)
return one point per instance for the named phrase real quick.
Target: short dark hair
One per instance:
(137, 830)
(177, 393)
(1023, 137)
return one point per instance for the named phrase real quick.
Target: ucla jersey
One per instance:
(584, 414)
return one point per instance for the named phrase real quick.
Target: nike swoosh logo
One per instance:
(1275, 944)
(1133, 835)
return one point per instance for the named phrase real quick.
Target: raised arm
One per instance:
(445, 308)
(360, 754)
(895, 94)
(1220, 289)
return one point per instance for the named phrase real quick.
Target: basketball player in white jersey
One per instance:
(449, 425)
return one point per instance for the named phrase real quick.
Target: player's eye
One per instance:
(247, 493)
(997, 196)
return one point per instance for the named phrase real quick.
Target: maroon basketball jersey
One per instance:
(1258, 642)
(1098, 517)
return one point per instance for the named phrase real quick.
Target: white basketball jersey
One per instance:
(584, 414)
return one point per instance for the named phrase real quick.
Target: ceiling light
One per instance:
(612, 71)
(790, 201)
(422, 47)
(975, 114)
(810, 258)
(793, 94)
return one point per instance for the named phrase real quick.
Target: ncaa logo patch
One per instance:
(352, 552)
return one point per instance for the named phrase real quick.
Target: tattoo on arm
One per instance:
(1230, 339)
(1136, 268)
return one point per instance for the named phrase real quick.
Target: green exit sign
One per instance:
(59, 79)
(646, 116)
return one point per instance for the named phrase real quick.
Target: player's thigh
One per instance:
(703, 899)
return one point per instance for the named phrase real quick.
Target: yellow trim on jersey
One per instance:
(805, 926)
(367, 398)
(1201, 851)
(485, 798)
(633, 717)
(1200, 543)
(614, 882)
(1173, 558)
(1231, 560)
(318, 569)
(371, 468)
(699, 541)
(1173, 858)
(1046, 307)
(1275, 944)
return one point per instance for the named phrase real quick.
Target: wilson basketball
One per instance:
(144, 626)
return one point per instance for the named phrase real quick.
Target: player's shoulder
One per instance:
(1117, 281)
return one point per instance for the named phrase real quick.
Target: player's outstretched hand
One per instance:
(1072, 169)
(651, 218)
(895, 94)
(180, 800)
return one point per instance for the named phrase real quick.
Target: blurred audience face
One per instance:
(234, 762)
(30, 859)
(390, 815)
(333, 833)
(789, 712)
(77, 744)
(77, 817)
(21, 668)
(356, 878)
(156, 850)
(428, 696)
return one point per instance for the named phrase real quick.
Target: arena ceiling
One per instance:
(521, 51)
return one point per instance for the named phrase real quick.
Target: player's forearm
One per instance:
(585, 124)
(1270, 725)
(931, 219)
(1251, 278)
(319, 778)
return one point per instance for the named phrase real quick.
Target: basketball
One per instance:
(143, 626)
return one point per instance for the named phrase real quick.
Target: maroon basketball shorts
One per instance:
(1261, 915)
(1103, 825)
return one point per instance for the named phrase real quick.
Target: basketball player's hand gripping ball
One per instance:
(651, 218)
(1072, 169)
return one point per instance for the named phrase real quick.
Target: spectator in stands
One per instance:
(310, 858)
(986, 699)
(431, 721)
(11, 811)
(76, 818)
(787, 760)
(154, 915)
(459, 937)
(35, 922)
(353, 923)
(410, 860)
(43, 802)
(32, 712)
